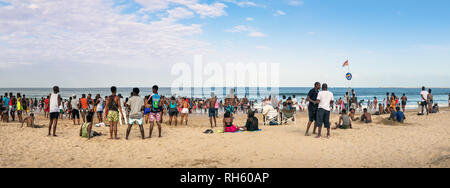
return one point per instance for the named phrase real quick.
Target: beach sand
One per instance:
(423, 141)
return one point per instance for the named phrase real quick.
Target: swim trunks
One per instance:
(212, 112)
(185, 111)
(138, 121)
(113, 116)
(155, 116)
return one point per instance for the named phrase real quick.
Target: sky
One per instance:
(127, 43)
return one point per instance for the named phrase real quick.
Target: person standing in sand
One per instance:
(112, 110)
(55, 102)
(84, 107)
(20, 107)
(324, 98)
(136, 108)
(404, 100)
(184, 111)
(46, 106)
(211, 104)
(12, 106)
(155, 111)
(430, 101)
(173, 110)
(75, 105)
(375, 103)
(424, 97)
(98, 105)
(312, 107)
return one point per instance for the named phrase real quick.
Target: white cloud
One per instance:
(256, 34)
(249, 19)
(93, 32)
(205, 10)
(252, 32)
(296, 3)
(244, 3)
(180, 13)
(279, 13)
(311, 33)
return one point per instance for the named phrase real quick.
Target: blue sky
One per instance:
(390, 43)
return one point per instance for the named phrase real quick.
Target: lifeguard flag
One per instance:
(345, 64)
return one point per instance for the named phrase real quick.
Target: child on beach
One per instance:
(155, 111)
(136, 108)
(228, 126)
(392, 114)
(54, 102)
(112, 110)
(352, 115)
(344, 121)
(29, 120)
(86, 129)
(366, 117)
(146, 109)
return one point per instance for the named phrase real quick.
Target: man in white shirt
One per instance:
(424, 96)
(324, 98)
(295, 102)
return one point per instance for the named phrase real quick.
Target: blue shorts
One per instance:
(212, 112)
(147, 111)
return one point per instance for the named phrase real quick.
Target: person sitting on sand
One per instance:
(344, 121)
(252, 122)
(228, 123)
(352, 115)
(29, 120)
(366, 117)
(399, 116)
(86, 129)
(392, 116)
(380, 110)
(435, 109)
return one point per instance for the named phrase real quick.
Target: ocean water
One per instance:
(441, 95)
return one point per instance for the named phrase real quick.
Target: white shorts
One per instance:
(185, 111)
(132, 121)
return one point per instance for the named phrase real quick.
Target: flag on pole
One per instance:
(345, 64)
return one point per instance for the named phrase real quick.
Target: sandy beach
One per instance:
(423, 141)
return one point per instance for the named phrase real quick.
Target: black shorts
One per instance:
(323, 118)
(54, 115)
(212, 112)
(173, 112)
(312, 114)
(424, 103)
(403, 103)
(75, 114)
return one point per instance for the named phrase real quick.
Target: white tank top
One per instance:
(54, 107)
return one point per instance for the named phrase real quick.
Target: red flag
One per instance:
(345, 64)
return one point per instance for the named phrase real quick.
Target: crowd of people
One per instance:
(135, 110)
